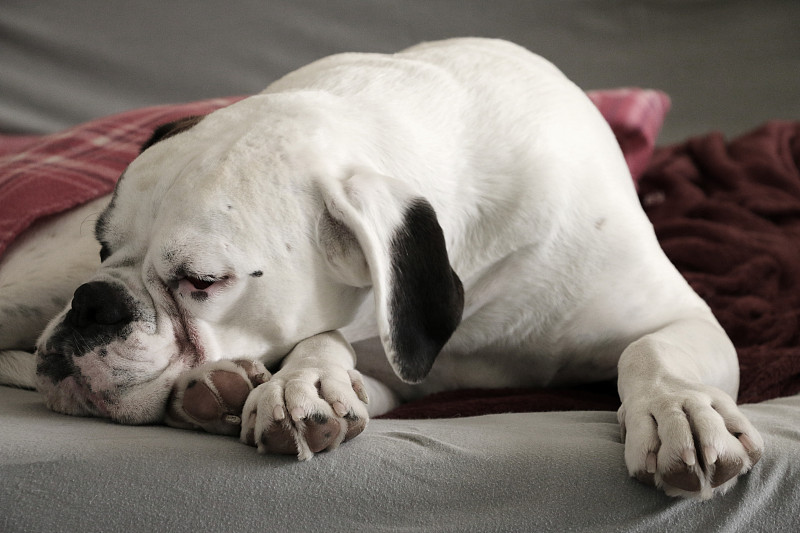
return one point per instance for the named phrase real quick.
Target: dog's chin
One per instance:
(141, 403)
(68, 397)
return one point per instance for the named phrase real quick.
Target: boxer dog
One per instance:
(457, 214)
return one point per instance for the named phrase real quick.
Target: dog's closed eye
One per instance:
(197, 282)
(200, 284)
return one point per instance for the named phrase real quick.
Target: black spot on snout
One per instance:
(55, 366)
(100, 312)
(257, 274)
(199, 296)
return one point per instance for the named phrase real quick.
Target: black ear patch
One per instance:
(427, 297)
(165, 131)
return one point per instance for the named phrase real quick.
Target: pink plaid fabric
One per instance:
(636, 117)
(43, 176)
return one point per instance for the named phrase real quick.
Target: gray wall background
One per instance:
(727, 64)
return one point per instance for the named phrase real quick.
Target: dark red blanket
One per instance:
(728, 215)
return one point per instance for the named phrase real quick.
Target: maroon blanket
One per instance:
(728, 215)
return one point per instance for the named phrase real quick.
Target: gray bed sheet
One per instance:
(506, 472)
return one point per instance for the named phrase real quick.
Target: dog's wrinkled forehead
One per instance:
(200, 187)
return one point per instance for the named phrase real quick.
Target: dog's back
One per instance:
(483, 129)
(538, 209)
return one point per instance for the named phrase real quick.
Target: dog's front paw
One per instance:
(305, 411)
(690, 440)
(211, 396)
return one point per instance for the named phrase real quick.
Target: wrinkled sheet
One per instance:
(503, 472)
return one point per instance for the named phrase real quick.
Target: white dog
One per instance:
(458, 212)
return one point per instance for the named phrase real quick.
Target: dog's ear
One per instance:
(380, 233)
(169, 129)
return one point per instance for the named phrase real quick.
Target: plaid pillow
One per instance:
(635, 116)
(42, 176)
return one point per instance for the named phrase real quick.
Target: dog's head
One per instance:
(239, 234)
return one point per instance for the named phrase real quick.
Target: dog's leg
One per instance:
(316, 401)
(38, 274)
(682, 429)
(17, 368)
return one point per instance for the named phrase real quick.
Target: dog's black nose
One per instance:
(99, 306)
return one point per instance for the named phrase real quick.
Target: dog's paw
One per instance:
(305, 411)
(692, 442)
(211, 396)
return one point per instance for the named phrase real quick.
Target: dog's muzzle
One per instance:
(103, 357)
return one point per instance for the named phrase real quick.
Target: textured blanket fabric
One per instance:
(41, 176)
(728, 216)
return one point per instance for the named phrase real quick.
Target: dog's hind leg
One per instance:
(17, 368)
(38, 274)
(382, 399)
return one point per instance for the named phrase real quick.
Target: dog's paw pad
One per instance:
(355, 425)
(212, 396)
(322, 432)
(726, 470)
(278, 438)
(682, 476)
(200, 402)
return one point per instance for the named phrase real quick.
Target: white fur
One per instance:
(564, 280)
(38, 274)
